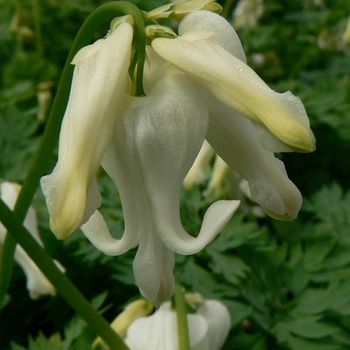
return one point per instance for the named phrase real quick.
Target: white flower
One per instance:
(37, 283)
(195, 86)
(148, 158)
(208, 328)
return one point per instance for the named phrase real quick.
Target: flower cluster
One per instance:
(197, 87)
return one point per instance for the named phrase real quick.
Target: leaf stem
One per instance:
(182, 326)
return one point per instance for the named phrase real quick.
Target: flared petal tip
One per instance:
(66, 202)
(63, 229)
(302, 142)
(310, 146)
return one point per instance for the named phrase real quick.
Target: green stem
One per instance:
(182, 326)
(62, 284)
(227, 8)
(37, 26)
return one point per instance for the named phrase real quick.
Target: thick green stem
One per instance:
(62, 284)
(182, 326)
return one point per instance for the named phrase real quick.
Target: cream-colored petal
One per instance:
(236, 85)
(95, 101)
(234, 139)
(155, 68)
(221, 170)
(224, 33)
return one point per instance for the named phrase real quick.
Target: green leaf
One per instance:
(308, 327)
(238, 311)
(231, 267)
(296, 343)
(15, 346)
(201, 280)
(43, 343)
(316, 252)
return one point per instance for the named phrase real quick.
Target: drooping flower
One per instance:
(208, 328)
(148, 158)
(37, 283)
(197, 87)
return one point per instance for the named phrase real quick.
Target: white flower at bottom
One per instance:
(208, 328)
(37, 283)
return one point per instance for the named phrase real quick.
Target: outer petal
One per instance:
(234, 139)
(99, 82)
(154, 70)
(198, 55)
(219, 322)
(222, 30)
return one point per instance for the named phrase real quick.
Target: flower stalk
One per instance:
(181, 315)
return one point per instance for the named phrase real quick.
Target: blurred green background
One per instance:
(286, 284)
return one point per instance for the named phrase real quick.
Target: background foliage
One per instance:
(286, 284)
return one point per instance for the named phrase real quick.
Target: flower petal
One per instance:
(156, 332)
(234, 139)
(236, 85)
(177, 239)
(98, 86)
(96, 230)
(219, 321)
(224, 33)
(159, 331)
(153, 269)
